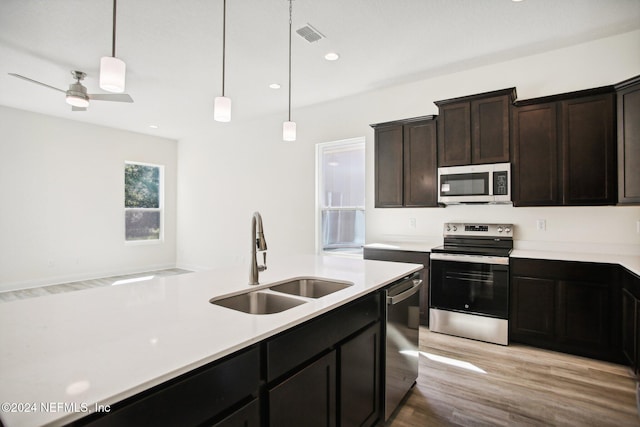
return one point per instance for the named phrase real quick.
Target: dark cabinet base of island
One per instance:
(327, 371)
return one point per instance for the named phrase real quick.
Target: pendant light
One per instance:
(222, 104)
(289, 127)
(112, 69)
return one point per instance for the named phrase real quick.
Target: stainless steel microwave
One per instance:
(490, 183)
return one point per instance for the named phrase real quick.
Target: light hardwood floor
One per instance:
(514, 385)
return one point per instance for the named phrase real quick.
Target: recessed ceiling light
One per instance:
(274, 86)
(154, 126)
(332, 56)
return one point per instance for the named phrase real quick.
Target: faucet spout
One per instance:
(258, 243)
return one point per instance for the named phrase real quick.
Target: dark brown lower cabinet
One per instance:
(533, 308)
(359, 379)
(324, 372)
(198, 397)
(342, 386)
(411, 257)
(247, 416)
(631, 319)
(308, 398)
(573, 307)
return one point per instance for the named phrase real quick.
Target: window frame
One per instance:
(320, 149)
(159, 209)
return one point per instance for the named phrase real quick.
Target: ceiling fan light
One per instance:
(289, 131)
(77, 101)
(112, 74)
(222, 109)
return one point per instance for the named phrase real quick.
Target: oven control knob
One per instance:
(448, 228)
(507, 230)
(455, 228)
(499, 229)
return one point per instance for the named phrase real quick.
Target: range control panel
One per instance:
(473, 229)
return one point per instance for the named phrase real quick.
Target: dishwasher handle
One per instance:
(393, 300)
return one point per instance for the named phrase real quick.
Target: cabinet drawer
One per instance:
(294, 347)
(565, 270)
(190, 400)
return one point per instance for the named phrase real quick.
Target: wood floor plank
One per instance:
(514, 385)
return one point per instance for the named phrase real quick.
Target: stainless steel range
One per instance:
(469, 287)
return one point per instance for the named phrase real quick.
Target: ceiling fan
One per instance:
(77, 95)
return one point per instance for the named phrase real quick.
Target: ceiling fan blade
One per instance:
(114, 97)
(37, 82)
(78, 109)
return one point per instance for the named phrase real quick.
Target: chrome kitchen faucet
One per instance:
(258, 243)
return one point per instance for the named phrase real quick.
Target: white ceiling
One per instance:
(173, 50)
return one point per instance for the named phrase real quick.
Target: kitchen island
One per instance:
(66, 356)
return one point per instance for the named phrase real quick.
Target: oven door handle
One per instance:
(480, 259)
(406, 294)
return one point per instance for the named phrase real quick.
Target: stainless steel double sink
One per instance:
(274, 299)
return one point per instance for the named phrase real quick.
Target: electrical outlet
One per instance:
(412, 222)
(541, 225)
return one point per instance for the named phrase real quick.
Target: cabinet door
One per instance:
(629, 321)
(490, 137)
(420, 165)
(589, 152)
(584, 316)
(308, 398)
(535, 155)
(533, 310)
(454, 134)
(247, 416)
(388, 167)
(360, 401)
(629, 144)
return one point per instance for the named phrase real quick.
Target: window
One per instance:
(143, 187)
(340, 196)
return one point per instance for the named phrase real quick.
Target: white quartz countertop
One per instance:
(60, 355)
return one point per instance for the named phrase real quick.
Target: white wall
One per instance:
(241, 167)
(61, 200)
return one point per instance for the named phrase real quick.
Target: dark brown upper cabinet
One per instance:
(406, 163)
(628, 99)
(564, 149)
(475, 129)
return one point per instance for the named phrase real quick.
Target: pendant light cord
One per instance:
(113, 35)
(224, 39)
(290, 14)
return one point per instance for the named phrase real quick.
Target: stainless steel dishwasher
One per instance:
(401, 355)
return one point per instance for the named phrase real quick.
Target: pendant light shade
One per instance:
(289, 127)
(222, 109)
(222, 104)
(289, 131)
(112, 72)
(112, 69)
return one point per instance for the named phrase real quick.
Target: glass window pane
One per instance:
(342, 229)
(142, 224)
(343, 177)
(141, 186)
